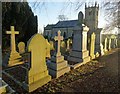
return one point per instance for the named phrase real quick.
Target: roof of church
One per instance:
(68, 23)
(49, 26)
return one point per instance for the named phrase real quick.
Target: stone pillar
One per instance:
(79, 51)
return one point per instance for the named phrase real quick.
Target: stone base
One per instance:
(57, 66)
(33, 86)
(77, 56)
(79, 60)
(58, 73)
(14, 59)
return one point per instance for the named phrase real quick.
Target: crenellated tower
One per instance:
(91, 16)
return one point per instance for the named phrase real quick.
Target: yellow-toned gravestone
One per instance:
(52, 45)
(48, 49)
(38, 73)
(14, 55)
(109, 46)
(21, 47)
(63, 47)
(68, 45)
(105, 45)
(92, 46)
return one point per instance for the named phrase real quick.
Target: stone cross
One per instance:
(12, 32)
(15, 58)
(58, 38)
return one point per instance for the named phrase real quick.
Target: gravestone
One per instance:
(68, 44)
(52, 45)
(79, 51)
(109, 46)
(38, 73)
(116, 42)
(21, 47)
(112, 43)
(102, 50)
(14, 55)
(105, 45)
(97, 40)
(58, 66)
(63, 47)
(92, 46)
(48, 49)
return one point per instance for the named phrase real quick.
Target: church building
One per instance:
(66, 27)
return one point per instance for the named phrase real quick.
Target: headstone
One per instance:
(92, 46)
(105, 45)
(58, 66)
(48, 49)
(116, 42)
(97, 40)
(102, 50)
(68, 44)
(21, 47)
(38, 73)
(109, 46)
(79, 51)
(52, 45)
(112, 43)
(14, 55)
(63, 47)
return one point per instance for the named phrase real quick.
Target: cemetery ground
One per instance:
(99, 75)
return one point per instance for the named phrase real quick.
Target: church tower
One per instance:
(91, 16)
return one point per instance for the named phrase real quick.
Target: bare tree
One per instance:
(112, 14)
(62, 17)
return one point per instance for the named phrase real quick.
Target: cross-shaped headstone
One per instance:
(12, 32)
(58, 38)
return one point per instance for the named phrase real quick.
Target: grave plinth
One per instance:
(58, 66)
(79, 51)
(15, 58)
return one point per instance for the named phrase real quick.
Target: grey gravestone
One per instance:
(79, 51)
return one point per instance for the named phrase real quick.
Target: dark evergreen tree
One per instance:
(20, 15)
